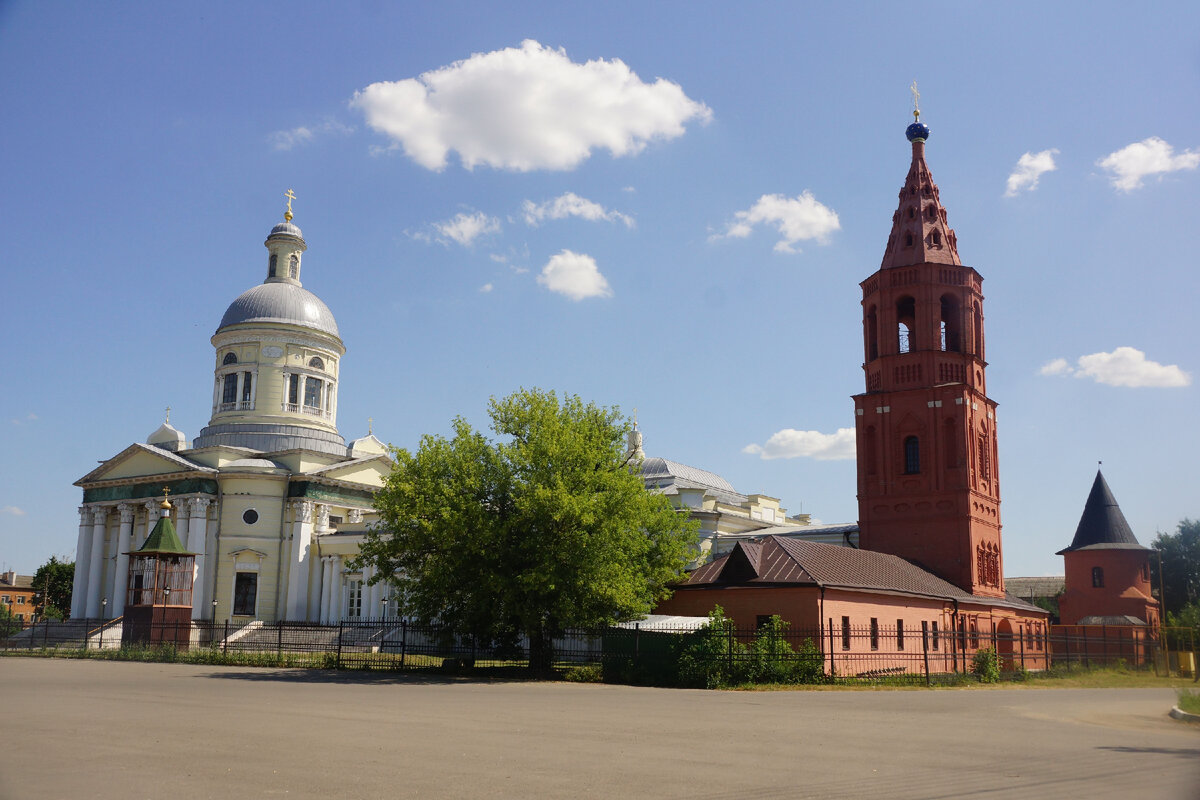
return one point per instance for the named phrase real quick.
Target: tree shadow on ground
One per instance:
(1183, 752)
(378, 677)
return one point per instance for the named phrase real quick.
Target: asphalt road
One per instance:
(94, 729)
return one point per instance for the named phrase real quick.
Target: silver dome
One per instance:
(281, 302)
(286, 228)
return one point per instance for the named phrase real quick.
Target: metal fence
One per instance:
(638, 654)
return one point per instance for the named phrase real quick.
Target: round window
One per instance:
(250, 516)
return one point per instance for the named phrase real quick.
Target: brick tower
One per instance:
(1108, 571)
(928, 485)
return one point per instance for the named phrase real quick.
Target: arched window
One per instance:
(294, 266)
(872, 334)
(230, 358)
(951, 324)
(313, 391)
(271, 269)
(906, 317)
(977, 329)
(229, 389)
(912, 455)
(937, 238)
(908, 240)
(1097, 577)
(316, 363)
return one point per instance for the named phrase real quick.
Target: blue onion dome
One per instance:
(917, 132)
(286, 229)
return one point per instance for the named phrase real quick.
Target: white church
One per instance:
(275, 503)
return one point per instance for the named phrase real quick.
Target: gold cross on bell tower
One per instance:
(290, 195)
(916, 101)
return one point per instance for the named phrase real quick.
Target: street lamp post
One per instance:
(103, 619)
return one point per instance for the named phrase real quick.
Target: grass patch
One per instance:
(1189, 700)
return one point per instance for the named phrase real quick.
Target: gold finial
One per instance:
(166, 503)
(635, 419)
(370, 421)
(916, 102)
(290, 195)
(168, 419)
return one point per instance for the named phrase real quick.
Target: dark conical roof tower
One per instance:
(1102, 526)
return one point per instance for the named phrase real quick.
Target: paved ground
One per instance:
(93, 729)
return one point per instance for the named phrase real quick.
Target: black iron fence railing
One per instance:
(643, 654)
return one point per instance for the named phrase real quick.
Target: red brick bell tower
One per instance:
(928, 484)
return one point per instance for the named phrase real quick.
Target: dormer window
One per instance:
(230, 358)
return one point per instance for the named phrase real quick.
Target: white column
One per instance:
(96, 561)
(325, 581)
(83, 552)
(368, 592)
(124, 545)
(197, 540)
(297, 593)
(336, 589)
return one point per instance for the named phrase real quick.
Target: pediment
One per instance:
(141, 461)
(370, 471)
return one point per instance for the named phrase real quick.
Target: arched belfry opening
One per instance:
(906, 319)
(951, 324)
(872, 333)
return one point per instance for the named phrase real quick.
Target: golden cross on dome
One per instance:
(370, 422)
(916, 101)
(168, 414)
(635, 419)
(290, 195)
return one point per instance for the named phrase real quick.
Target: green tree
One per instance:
(53, 580)
(546, 527)
(1180, 557)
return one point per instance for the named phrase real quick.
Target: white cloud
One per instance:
(791, 443)
(1029, 168)
(286, 140)
(796, 218)
(574, 275)
(526, 108)
(16, 512)
(1125, 366)
(571, 205)
(462, 228)
(487, 287)
(1129, 165)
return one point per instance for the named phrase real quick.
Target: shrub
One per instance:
(985, 665)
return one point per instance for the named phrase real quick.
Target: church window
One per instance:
(354, 599)
(899, 634)
(937, 239)
(872, 334)
(312, 392)
(951, 332)
(247, 385)
(316, 363)
(974, 632)
(1097, 577)
(249, 516)
(294, 266)
(931, 211)
(293, 389)
(934, 636)
(985, 461)
(905, 338)
(245, 594)
(845, 633)
(908, 240)
(271, 269)
(912, 455)
(229, 390)
(874, 633)
(906, 318)
(911, 214)
(230, 358)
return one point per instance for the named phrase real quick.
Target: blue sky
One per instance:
(663, 206)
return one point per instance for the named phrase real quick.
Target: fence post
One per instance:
(338, 664)
(925, 651)
(403, 639)
(1104, 644)
(46, 634)
(831, 670)
(225, 640)
(1087, 662)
